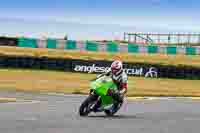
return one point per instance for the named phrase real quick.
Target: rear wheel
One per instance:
(84, 109)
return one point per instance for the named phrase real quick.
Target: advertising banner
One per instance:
(103, 66)
(99, 66)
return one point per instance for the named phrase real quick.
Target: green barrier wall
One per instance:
(133, 48)
(112, 47)
(27, 42)
(190, 51)
(71, 44)
(171, 50)
(91, 46)
(51, 43)
(152, 49)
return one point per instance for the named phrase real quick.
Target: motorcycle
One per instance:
(100, 99)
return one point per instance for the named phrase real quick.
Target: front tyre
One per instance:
(84, 109)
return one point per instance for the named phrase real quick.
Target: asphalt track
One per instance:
(58, 114)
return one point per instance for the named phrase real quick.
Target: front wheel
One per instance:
(84, 109)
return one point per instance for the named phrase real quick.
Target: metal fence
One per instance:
(163, 39)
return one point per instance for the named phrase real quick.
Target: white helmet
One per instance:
(116, 67)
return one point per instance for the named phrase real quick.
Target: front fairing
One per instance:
(101, 85)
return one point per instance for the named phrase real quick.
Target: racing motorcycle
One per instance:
(100, 99)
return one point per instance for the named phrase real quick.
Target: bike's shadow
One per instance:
(115, 117)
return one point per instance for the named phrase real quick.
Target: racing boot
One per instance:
(118, 100)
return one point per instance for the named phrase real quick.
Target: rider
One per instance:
(120, 78)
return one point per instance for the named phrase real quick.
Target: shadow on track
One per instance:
(115, 117)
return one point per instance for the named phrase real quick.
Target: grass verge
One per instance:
(6, 100)
(162, 59)
(77, 83)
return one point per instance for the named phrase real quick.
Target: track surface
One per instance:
(58, 114)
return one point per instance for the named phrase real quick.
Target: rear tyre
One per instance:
(84, 109)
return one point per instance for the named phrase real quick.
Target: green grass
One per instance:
(77, 83)
(6, 100)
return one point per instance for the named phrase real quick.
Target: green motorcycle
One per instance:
(100, 99)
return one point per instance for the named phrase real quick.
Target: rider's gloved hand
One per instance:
(100, 75)
(123, 91)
